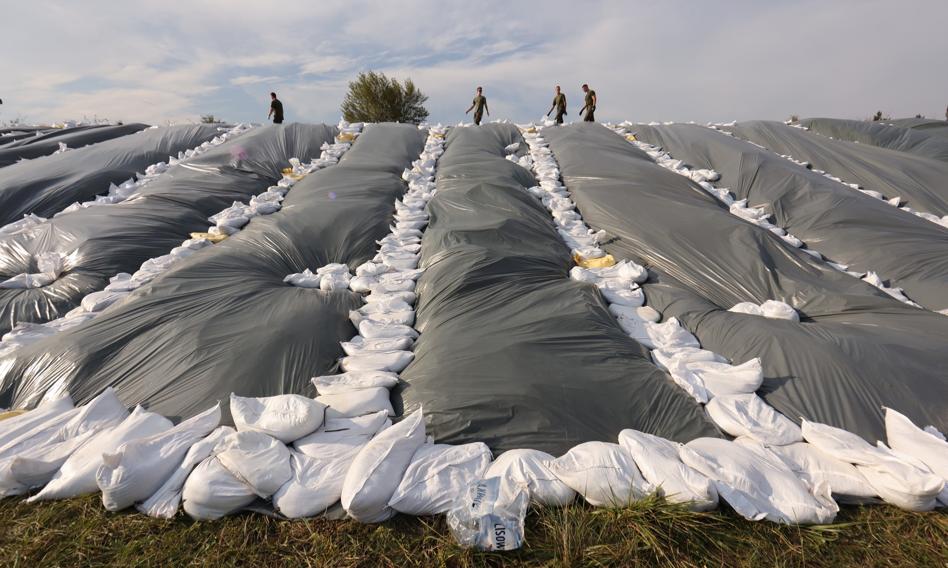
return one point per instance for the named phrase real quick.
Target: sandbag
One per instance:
(212, 491)
(529, 467)
(354, 380)
(439, 475)
(164, 503)
(13, 428)
(314, 487)
(342, 437)
(378, 468)
(393, 361)
(36, 466)
(815, 467)
(490, 515)
(907, 438)
(260, 461)
(357, 402)
(899, 483)
(140, 467)
(658, 461)
(78, 474)
(285, 417)
(756, 485)
(603, 473)
(748, 415)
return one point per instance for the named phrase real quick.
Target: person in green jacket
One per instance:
(479, 105)
(590, 106)
(559, 104)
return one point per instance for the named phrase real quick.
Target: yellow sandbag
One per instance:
(346, 137)
(630, 137)
(209, 236)
(10, 414)
(601, 262)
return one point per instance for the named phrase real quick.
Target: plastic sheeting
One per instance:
(223, 320)
(848, 227)
(917, 141)
(922, 183)
(512, 352)
(855, 349)
(101, 241)
(49, 184)
(73, 138)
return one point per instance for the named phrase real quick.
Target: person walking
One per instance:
(559, 104)
(590, 106)
(276, 109)
(479, 105)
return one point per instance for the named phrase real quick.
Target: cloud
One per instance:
(717, 60)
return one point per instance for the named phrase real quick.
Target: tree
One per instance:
(373, 97)
(209, 119)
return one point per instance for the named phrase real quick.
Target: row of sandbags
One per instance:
(728, 391)
(915, 170)
(754, 215)
(227, 222)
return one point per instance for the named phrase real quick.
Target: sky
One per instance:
(173, 61)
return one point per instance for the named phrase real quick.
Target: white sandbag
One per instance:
(47, 432)
(377, 296)
(815, 467)
(404, 317)
(756, 486)
(632, 320)
(36, 466)
(721, 379)
(373, 330)
(359, 345)
(139, 467)
(490, 515)
(354, 380)
(357, 402)
(314, 487)
(748, 415)
(747, 308)
(13, 428)
(529, 467)
(439, 475)
(98, 301)
(164, 503)
(623, 296)
(907, 438)
(668, 335)
(779, 310)
(363, 284)
(664, 357)
(341, 438)
(894, 479)
(77, 475)
(286, 417)
(305, 279)
(658, 461)
(260, 461)
(378, 468)
(603, 473)
(212, 492)
(394, 361)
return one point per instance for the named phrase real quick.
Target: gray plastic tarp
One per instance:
(101, 241)
(223, 320)
(73, 138)
(512, 352)
(49, 184)
(917, 141)
(845, 225)
(855, 349)
(922, 183)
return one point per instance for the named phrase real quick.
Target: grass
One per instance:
(80, 532)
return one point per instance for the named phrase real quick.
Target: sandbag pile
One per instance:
(227, 222)
(754, 215)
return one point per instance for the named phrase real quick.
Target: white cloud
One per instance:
(253, 79)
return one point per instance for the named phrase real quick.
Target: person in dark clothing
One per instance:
(479, 105)
(590, 106)
(559, 104)
(276, 109)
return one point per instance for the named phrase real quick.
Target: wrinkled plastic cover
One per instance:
(918, 141)
(49, 184)
(512, 352)
(922, 183)
(101, 241)
(843, 224)
(855, 350)
(223, 320)
(73, 138)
